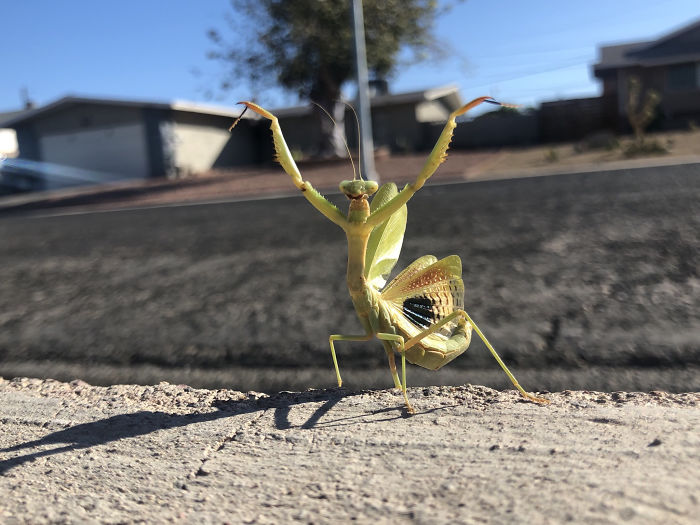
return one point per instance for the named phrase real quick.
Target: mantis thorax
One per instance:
(358, 210)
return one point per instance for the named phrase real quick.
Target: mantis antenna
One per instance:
(359, 138)
(345, 143)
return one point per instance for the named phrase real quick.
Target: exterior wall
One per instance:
(515, 130)
(680, 104)
(408, 127)
(432, 111)
(27, 142)
(685, 101)
(116, 150)
(301, 134)
(159, 141)
(203, 142)
(395, 126)
(574, 119)
(610, 82)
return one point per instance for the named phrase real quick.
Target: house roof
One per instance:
(71, 100)
(6, 116)
(681, 45)
(449, 94)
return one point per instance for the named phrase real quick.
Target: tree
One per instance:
(306, 47)
(640, 114)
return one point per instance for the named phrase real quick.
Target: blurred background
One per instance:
(140, 241)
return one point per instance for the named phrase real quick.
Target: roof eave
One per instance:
(449, 93)
(68, 100)
(670, 36)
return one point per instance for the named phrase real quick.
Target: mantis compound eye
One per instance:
(355, 189)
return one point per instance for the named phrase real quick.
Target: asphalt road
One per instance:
(581, 281)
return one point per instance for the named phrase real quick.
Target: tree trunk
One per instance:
(331, 135)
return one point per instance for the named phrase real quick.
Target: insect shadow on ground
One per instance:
(115, 428)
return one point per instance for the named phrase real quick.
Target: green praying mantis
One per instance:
(420, 314)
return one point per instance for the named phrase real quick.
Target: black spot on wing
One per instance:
(419, 310)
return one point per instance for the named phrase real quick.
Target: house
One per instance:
(670, 65)
(132, 139)
(141, 139)
(400, 122)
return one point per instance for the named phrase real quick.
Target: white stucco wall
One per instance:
(431, 111)
(118, 150)
(197, 147)
(8, 143)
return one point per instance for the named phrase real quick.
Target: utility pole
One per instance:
(363, 104)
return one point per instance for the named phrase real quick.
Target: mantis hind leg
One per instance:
(522, 391)
(402, 350)
(340, 337)
(466, 319)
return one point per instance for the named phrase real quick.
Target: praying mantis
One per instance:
(420, 314)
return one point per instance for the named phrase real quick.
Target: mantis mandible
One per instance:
(420, 314)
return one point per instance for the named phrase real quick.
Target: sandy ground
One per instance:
(72, 453)
(575, 156)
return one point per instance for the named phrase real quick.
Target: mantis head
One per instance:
(355, 189)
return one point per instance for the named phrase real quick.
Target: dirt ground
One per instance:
(561, 157)
(582, 281)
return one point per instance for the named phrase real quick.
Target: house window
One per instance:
(683, 77)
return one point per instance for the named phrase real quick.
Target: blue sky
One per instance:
(522, 52)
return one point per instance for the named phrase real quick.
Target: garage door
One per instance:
(119, 150)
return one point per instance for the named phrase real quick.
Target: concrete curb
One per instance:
(74, 453)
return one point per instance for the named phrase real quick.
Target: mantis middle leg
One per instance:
(341, 337)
